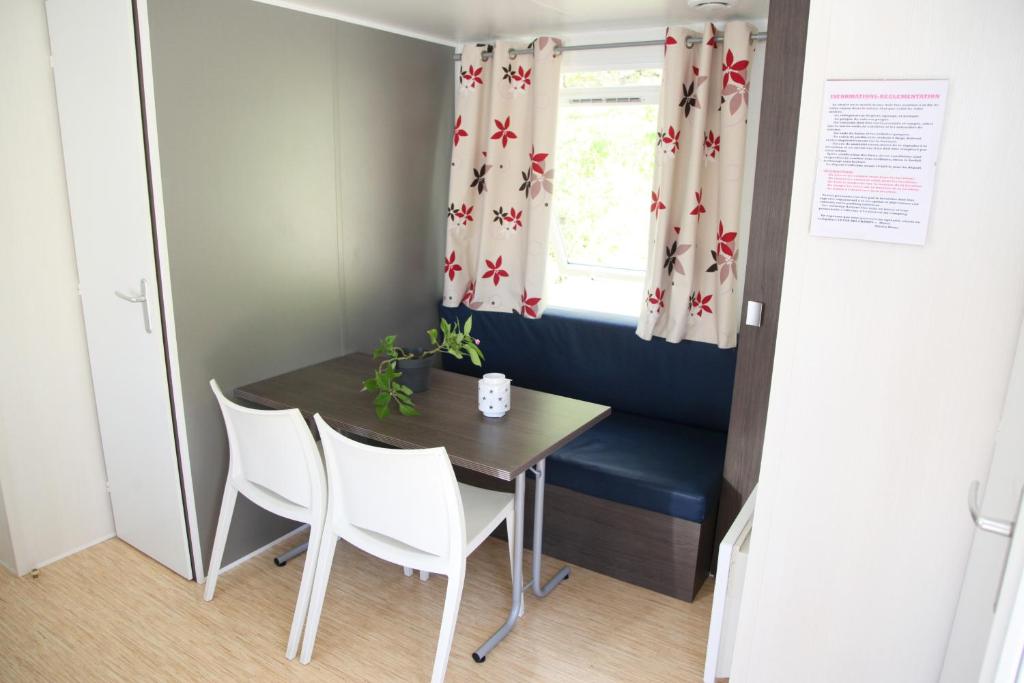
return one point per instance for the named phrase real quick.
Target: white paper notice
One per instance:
(876, 159)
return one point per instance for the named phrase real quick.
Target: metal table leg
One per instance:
(538, 538)
(282, 559)
(517, 573)
(517, 559)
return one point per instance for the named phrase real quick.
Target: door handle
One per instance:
(143, 299)
(995, 526)
(132, 299)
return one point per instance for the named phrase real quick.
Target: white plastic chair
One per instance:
(406, 507)
(274, 462)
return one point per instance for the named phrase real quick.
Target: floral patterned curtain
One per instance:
(692, 270)
(501, 179)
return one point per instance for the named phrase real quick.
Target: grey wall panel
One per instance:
(245, 117)
(395, 106)
(305, 170)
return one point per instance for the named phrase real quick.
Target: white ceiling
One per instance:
(455, 21)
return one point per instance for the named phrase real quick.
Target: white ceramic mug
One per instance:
(494, 394)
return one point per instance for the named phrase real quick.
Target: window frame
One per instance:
(603, 60)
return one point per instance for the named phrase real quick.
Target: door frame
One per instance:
(144, 64)
(766, 252)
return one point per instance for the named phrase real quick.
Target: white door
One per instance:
(987, 639)
(97, 83)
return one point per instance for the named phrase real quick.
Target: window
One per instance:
(607, 125)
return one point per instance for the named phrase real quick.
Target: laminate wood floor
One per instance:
(110, 613)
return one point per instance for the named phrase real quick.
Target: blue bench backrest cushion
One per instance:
(598, 358)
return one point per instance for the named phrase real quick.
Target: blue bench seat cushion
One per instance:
(648, 463)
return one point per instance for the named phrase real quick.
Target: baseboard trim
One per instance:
(258, 551)
(101, 539)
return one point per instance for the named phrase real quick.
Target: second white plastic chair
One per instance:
(275, 463)
(406, 507)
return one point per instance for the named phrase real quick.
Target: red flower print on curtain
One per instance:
(699, 209)
(656, 204)
(502, 177)
(464, 215)
(471, 76)
(504, 132)
(723, 257)
(734, 70)
(537, 161)
(451, 267)
(669, 40)
(670, 139)
(712, 145)
(529, 305)
(693, 270)
(699, 304)
(459, 133)
(495, 270)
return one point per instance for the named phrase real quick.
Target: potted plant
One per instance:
(414, 365)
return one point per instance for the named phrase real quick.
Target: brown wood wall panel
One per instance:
(766, 253)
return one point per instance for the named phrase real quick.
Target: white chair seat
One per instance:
(481, 508)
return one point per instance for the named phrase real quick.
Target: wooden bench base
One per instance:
(663, 553)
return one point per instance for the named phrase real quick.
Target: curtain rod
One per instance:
(690, 42)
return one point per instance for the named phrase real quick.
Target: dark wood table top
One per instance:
(537, 425)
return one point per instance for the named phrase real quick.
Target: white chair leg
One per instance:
(305, 589)
(227, 508)
(316, 602)
(452, 600)
(424, 575)
(407, 571)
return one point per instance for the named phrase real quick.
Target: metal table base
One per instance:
(540, 590)
(282, 559)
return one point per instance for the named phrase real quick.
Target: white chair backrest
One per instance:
(410, 496)
(274, 450)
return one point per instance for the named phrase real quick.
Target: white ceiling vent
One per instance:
(710, 4)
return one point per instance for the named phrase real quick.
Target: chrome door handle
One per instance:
(143, 299)
(132, 299)
(995, 526)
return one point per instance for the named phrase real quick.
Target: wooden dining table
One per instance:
(505, 448)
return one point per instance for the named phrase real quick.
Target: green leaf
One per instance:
(404, 389)
(468, 326)
(432, 336)
(474, 355)
(382, 399)
(407, 410)
(456, 353)
(370, 384)
(382, 411)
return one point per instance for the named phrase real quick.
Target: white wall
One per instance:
(891, 366)
(6, 546)
(51, 464)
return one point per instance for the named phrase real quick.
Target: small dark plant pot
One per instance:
(416, 373)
